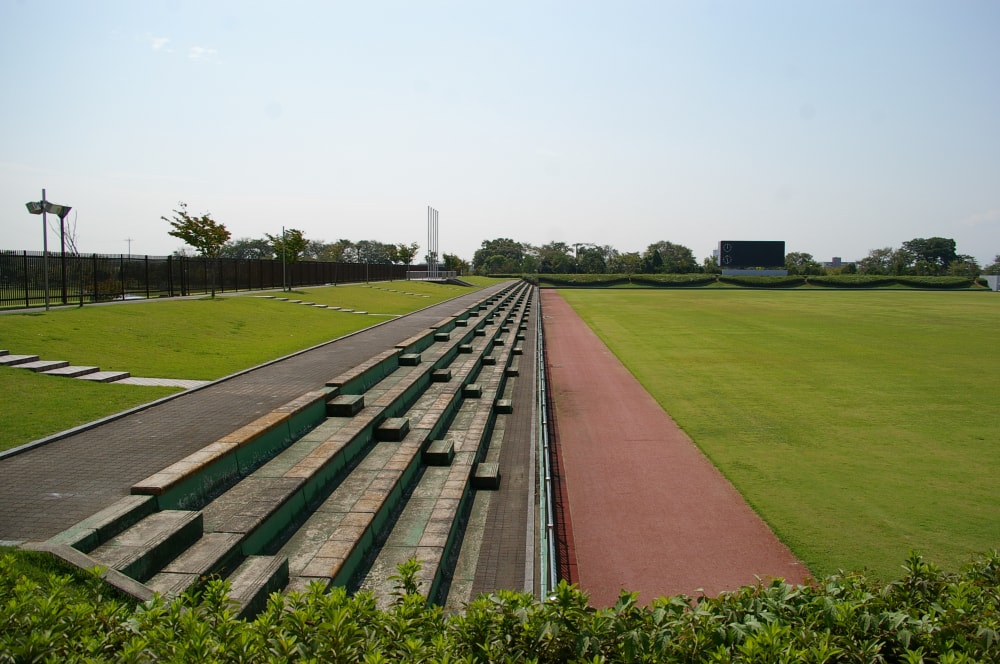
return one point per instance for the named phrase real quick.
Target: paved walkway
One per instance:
(47, 489)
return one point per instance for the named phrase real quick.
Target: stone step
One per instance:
(38, 366)
(255, 580)
(98, 528)
(14, 360)
(71, 371)
(143, 549)
(214, 553)
(105, 376)
(329, 499)
(486, 476)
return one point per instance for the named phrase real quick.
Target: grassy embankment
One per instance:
(859, 425)
(192, 339)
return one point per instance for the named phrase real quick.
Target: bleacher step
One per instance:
(486, 476)
(212, 554)
(254, 580)
(144, 548)
(93, 531)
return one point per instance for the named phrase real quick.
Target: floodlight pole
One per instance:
(284, 250)
(62, 254)
(45, 251)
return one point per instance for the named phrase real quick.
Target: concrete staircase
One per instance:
(338, 486)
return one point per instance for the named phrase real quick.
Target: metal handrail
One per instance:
(547, 535)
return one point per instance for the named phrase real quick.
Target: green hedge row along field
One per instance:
(924, 615)
(858, 425)
(750, 281)
(199, 339)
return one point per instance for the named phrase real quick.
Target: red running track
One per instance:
(647, 511)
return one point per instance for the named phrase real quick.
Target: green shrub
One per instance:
(853, 281)
(790, 281)
(926, 615)
(888, 281)
(581, 280)
(936, 282)
(673, 280)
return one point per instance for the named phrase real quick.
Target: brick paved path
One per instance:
(506, 542)
(47, 489)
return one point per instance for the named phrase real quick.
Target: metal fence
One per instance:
(34, 279)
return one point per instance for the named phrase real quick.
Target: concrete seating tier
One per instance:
(334, 486)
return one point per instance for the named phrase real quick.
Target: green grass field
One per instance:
(192, 338)
(859, 425)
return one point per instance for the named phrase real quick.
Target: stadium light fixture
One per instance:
(42, 207)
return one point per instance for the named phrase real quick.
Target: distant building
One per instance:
(837, 262)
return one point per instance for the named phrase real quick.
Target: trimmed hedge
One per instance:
(853, 281)
(581, 280)
(673, 280)
(927, 615)
(884, 281)
(790, 281)
(699, 280)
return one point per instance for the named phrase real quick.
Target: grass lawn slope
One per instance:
(859, 425)
(202, 339)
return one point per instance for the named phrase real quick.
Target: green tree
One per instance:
(936, 253)
(900, 261)
(203, 233)
(590, 260)
(406, 253)
(373, 251)
(288, 247)
(964, 266)
(994, 267)
(555, 258)
(711, 265)
(878, 261)
(798, 262)
(673, 258)
(246, 248)
(453, 263)
(341, 251)
(510, 255)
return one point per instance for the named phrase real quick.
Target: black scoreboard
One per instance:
(746, 254)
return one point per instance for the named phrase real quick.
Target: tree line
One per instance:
(920, 257)
(935, 256)
(212, 239)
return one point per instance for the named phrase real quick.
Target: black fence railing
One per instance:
(32, 279)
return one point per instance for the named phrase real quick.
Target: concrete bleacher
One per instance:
(337, 486)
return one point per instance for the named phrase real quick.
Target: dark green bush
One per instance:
(927, 615)
(790, 281)
(853, 281)
(936, 282)
(581, 280)
(673, 280)
(888, 281)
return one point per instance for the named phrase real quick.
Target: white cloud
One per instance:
(201, 53)
(159, 43)
(984, 218)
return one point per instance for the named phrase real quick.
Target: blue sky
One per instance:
(838, 126)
